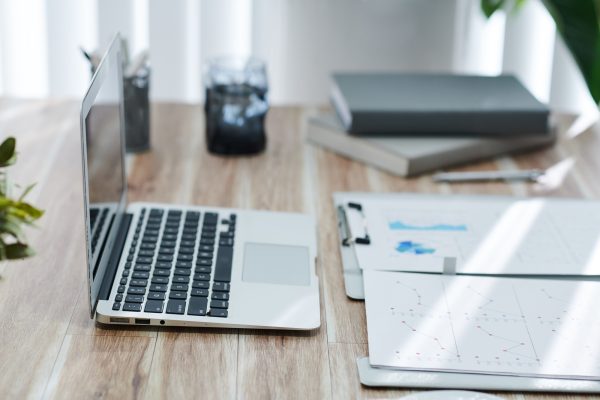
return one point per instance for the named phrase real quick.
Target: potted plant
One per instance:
(15, 213)
(578, 22)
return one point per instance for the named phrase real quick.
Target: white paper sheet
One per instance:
(485, 235)
(523, 327)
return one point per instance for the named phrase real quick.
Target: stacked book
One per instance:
(409, 124)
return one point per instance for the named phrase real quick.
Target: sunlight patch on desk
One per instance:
(505, 237)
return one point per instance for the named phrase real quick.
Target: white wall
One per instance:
(302, 41)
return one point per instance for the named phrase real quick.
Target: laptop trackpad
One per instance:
(279, 264)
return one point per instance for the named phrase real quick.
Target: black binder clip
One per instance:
(344, 227)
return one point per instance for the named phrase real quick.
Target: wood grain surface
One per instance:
(52, 349)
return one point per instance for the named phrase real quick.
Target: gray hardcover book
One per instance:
(406, 156)
(433, 104)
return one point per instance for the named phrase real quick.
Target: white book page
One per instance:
(484, 235)
(507, 326)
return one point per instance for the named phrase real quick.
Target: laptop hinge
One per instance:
(113, 262)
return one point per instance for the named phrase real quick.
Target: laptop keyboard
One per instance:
(97, 221)
(172, 265)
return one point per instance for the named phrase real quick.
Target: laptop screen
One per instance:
(104, 172)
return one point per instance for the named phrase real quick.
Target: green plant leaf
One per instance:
(489, 7)
(11, 228)
(579, 25)
(26, 191)
(30, 211)
(7, 151)
(15, 251)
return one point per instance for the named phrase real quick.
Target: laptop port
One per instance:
(119, 320)
(142, 321)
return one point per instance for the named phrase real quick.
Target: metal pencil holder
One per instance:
(137, 110)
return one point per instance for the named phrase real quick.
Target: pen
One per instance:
(483, 176)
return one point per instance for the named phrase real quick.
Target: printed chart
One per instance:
(493, 236)
(527, 327)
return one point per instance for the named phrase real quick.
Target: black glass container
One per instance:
(236, 106)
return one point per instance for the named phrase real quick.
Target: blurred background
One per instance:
(301, 42)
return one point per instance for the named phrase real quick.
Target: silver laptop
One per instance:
(163, 264)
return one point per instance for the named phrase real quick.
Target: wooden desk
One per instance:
(50, 346)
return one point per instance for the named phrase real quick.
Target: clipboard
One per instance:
(382, 377)
(353, 278)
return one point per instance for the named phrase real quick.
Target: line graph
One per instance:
(488, 305)
(434, 339)
(482, 324)
(512, 344)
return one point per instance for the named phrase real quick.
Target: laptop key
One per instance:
(144, 268)
(137, 307)
(121, 289)
(162, 257)
(203, 269)
(116, 306)
(182, 271)
(154, 306)
(185, 257)
(200, 285)
(178, 295)
(219, 304)
(119, 298)
(183, 264)
(211, 218)
(218, 312)
(226, 242)
(220, 296)
(204, 261)
(139, 282)
(136, 290)
(221, 287)
(224, 264)
(206, 247)
(162, 272)
(179, 287)
(199, 292)
(201, 277)
(140, 275)
(163, 265)
(181, 279)
(156, 296)
(176, 307)
(146, 260)
(155, 287)
(160, 279)
(134, 298)
(197, 306)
